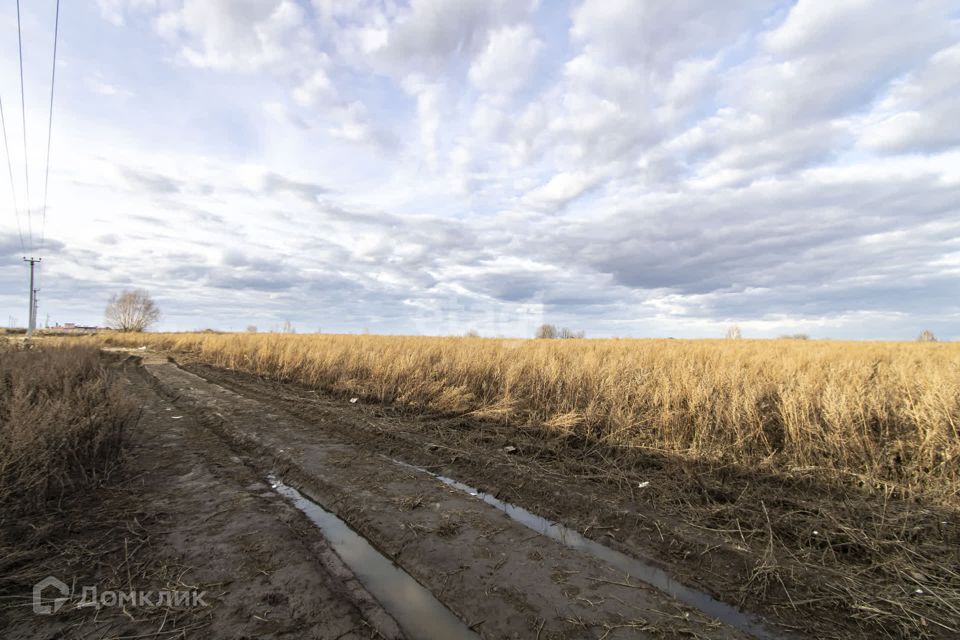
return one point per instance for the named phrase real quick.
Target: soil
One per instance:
(193, 510)
(815, 558)
(189, 516)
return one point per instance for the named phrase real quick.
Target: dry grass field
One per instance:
(61, 421)
(814, 482)
(882, 415)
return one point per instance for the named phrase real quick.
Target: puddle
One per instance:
(638, 569)
(419, 614)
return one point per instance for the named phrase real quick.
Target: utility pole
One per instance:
(31, 323)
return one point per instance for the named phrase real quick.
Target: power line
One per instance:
(13, 188)
(53, 82)
(23, 110)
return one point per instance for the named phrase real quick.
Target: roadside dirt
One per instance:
(816, 561)
(189, 517)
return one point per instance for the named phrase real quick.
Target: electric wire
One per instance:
(23, 110)
(53, 82)
(13, 188)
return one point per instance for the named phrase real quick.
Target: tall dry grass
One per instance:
(882, 412)
(61, 421)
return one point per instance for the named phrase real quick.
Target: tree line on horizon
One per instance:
(134, 310)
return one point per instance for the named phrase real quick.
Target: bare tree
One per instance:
(546, 332)
(926, 336)
(733, 333)
(472, 333)
(251, 328)
(288, 327)
(131, 310)
(550, 331)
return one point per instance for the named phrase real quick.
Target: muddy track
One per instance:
(494, 573)
(744, 536)
(188, 515)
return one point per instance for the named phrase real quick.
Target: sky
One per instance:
(625, 168)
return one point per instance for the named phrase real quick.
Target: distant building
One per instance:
(70, 327)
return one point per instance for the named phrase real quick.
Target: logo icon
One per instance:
(38, 589)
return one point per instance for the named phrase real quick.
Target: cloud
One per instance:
(11, 249)
(275, 183)
(930, 130)
(795, 81)
(658, 35)
(100, 86)
(561, 189)
(147, 181)
(918, 110)
(801, 233)
(244, 36)
(664, 168)
(10, 245)
(353, 124)
(115, 11)
(507, 61)
(430, 31)
(315, 90)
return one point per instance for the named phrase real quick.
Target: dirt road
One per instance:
(191, 517)
(491, 571)
(209, 443)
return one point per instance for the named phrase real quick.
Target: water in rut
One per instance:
(419, 614)
(638, 569)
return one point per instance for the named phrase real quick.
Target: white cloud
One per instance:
(433, 30)
(934, 128)
(238, 35)
(507, 61)
(658, 35)
(827, 58)
(919, 110)
(562, 189)
(114, 11)
(429, 99)
(99, 85)
(316, 89)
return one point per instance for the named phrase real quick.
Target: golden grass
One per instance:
(61, 421)
(885, 413)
